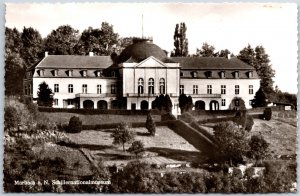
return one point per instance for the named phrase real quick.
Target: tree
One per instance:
(247, 55)
(258, 59)
(182, 102)
(167, 103)
(102, 41)
(206, 51)
(232, 142)
(136, 147)
(224, 53)
(62, 41)
(180, 41)
(150, 124)
(258, 147)
(32, 46)
(14, 63)
(122, 134)
(260, 99)
(45, 95)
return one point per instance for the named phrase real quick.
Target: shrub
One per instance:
(75, 125)
(150, 125)
(249, 123)
(167, 117)
(267, 114)
(11, 117)
(136, 147)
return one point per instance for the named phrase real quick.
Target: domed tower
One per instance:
(146, 72)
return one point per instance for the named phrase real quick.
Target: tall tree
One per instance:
(264, 69)
(180, 41)
(258, 59)
(45, 95)
(14, 63)
(62, 41)
(102, 41)
(32, 48)
(206, 51)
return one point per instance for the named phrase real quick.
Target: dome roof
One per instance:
(140, 51)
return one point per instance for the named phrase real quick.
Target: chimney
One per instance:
(228, 56)
(91, 54)
(46, 53)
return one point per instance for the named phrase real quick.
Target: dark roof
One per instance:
(139, 51)
(72, 61)
(208, 63)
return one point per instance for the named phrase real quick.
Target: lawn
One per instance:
(164, 148)
(63, 117)
(280, 133)
(76, 162)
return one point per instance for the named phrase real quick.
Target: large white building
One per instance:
(140, 73)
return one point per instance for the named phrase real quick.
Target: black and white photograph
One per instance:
(150, 97)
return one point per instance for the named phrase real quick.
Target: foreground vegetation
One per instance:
(37, 149)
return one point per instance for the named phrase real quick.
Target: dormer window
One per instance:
(208, 74)
(55, 72)
(40, 72)
(236, 74)
(222, 74)
(98, 73)
(194, 74)
(113, 74)
(84, 73)
(250, 74)
(70, 73)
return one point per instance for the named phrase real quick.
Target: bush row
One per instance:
(97, 111)
(115, 125)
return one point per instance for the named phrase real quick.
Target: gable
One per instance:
(151, 62)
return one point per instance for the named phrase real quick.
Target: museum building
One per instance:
(142, 71)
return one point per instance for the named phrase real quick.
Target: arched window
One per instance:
(141, 86)
(151, 86)
(162, 86)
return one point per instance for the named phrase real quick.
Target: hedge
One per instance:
(97, 111)
(115, 125)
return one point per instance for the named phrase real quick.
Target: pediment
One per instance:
(151, 62)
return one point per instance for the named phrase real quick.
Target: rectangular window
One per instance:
(250, 89)
(181, 89)
(98, 89)
(195, 89)
(84, 88)
(113, 89)
(237, 89)
(209, 89)
(223, 89)
(56, 88)
(55, 101)
(223, 102)
(70, 88)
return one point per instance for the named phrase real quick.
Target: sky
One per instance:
(224, 25)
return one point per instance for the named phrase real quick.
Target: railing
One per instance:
(87, 95)
(148, 94)
(206, 95)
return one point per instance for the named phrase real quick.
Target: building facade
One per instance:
(142, 71)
